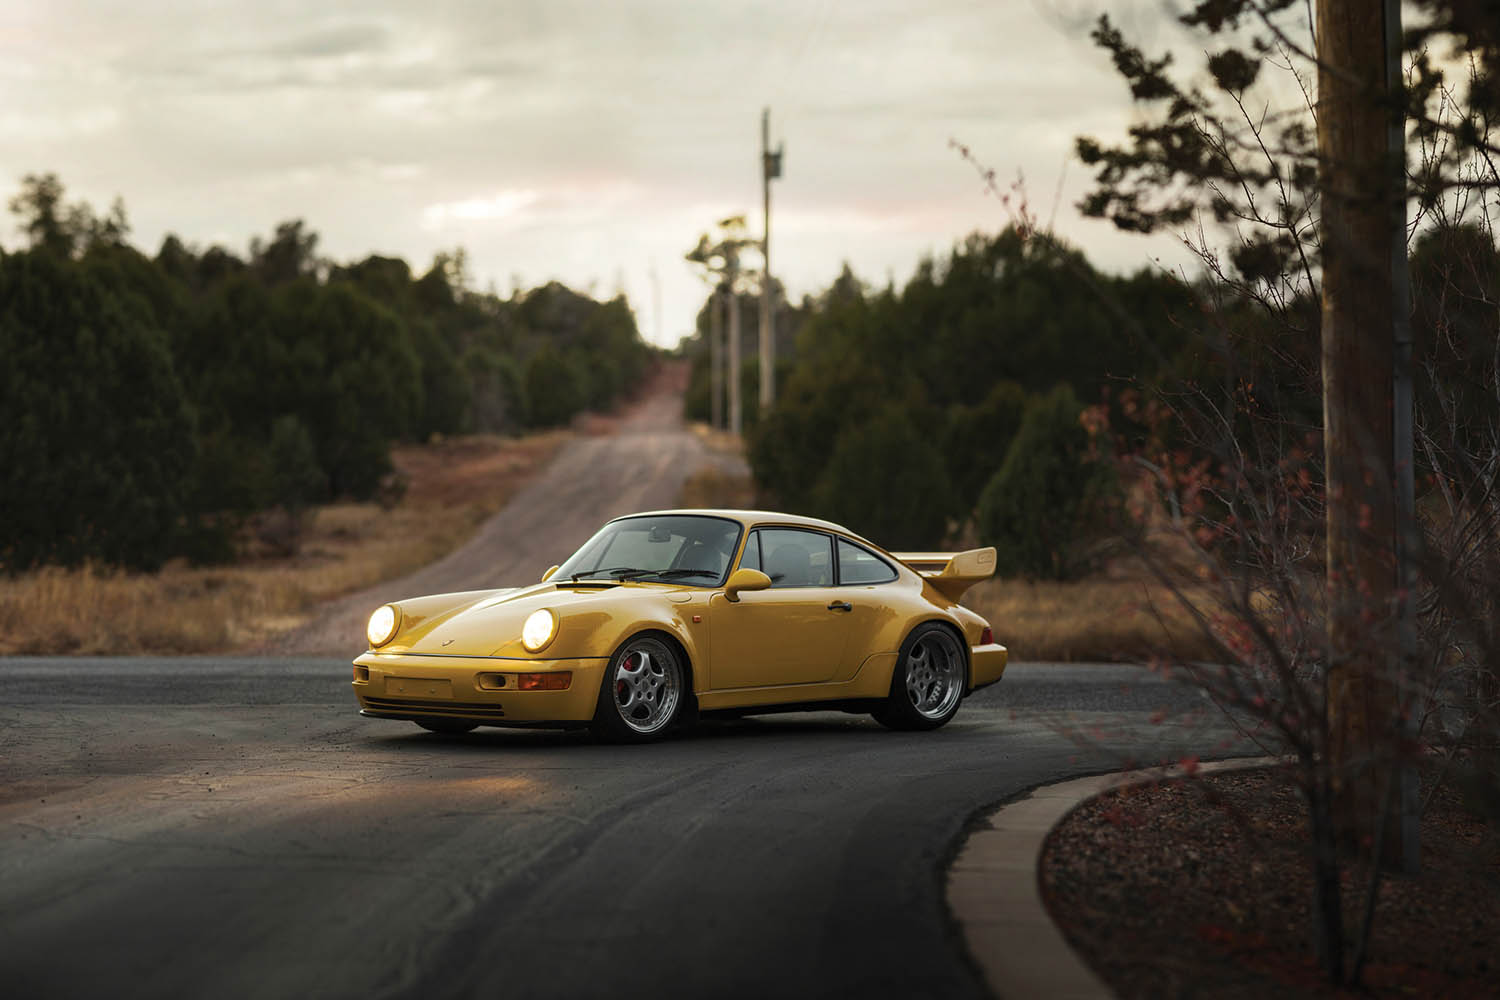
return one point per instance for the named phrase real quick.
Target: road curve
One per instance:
(229, 826)
(224, 826)
(641, 466)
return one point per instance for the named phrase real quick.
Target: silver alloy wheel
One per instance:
(647, 687)
(935, 674)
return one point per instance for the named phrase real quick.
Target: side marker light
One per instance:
(557, 680)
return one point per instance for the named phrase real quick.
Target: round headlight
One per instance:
(538, 630)
(382, 627)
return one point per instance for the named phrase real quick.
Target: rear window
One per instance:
(861, 566)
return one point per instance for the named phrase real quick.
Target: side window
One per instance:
(857, 565)
(796, 558)
(751, 558)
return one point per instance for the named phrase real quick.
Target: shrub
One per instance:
(977, 439)
(554, 389)
(497, 390)
(296, 478)
(887, 482)
(1041, 509)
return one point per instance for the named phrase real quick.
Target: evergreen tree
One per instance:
(95, 431)
(1038, 509)
(886, 481)
(554, 388)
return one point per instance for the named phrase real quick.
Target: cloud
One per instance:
(562, 208)
(502, 206)
(564, 138)
(856, 220)
(332, 41)
(21, 126)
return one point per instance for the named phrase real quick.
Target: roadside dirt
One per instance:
(1200, 887)
(635, 461)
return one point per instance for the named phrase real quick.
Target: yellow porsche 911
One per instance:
(665, 615)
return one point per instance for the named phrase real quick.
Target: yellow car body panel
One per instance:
(460, 656)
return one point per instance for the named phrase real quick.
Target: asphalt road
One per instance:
(230, 827)
(210, 826)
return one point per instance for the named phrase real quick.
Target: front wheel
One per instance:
(643, 693)
(928, 682)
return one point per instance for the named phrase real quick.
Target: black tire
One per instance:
(645, 693)
(447, 727)
(928, 684)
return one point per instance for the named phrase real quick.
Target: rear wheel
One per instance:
(928, 682)
(448, 727)
(643, 694)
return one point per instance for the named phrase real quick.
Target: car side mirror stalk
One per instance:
(548, 575)
(745, 580)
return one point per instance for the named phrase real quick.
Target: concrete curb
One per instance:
(994, 894)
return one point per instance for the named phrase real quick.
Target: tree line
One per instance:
(910, 414)
(150, 405)
(967, 403)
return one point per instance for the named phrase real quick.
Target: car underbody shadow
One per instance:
(710, 728)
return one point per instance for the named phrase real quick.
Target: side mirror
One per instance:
(745, 579)
(548, 575)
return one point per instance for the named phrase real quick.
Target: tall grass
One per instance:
(1093, 619)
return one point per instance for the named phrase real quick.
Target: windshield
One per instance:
(682, 548)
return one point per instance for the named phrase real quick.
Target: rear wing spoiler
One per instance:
(951, 573)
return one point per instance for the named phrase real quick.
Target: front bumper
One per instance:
(988, 664)
(473, 688)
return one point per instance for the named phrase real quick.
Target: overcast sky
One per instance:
(585, 141)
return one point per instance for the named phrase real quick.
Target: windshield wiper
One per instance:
(631, 573)
(615, 572)
(672, 574)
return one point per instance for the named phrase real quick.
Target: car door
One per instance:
(862, 576)
(793, 633)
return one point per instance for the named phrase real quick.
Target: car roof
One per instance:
(750, 518)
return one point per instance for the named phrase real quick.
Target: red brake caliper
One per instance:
(620, 685)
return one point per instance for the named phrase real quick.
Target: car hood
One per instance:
(489, 623)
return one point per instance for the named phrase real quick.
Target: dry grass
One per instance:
(719, 442)
(715, 488)
(453, 486)
(1095, 619)
(726, 483)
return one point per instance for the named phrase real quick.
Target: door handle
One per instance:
(840, 606)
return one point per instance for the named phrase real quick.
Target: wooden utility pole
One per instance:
(1358, 361)
(716, 357)
(731, 278)
(770, 169)
(721, 262)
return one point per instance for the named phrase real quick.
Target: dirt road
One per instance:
(640, 465)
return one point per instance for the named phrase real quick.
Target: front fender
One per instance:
(598, 632)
